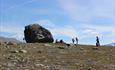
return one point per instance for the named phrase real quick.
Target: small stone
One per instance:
(61, 47)
(26, 69)
(81, 48)
(11, 43)
(23, 51)
(14, 51)
(95, 48)
(0, 43)
(39, 52)
(39, 65)
(89, 68)
(71, 44)
(47, 67)
(10, 65)
(47, 45)
(7, 46)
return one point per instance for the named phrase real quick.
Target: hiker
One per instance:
(73, 40)
(76, 40)
(97, 41)
(56, 41)
(61, 41)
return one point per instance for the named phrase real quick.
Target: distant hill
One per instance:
(111, 44)
(5, 39)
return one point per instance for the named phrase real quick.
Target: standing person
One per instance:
(56, 41)
(97, 41)
(73, 40)
(76, 40)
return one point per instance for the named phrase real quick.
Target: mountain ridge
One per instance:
(6, 39)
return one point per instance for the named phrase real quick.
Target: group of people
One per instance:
(76, 40)
(60, 41)
(73, 41)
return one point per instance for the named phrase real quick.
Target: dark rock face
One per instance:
(36, 33)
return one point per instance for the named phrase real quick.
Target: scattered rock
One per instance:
(71, 44)
(7, 46)
(10, 43)
(39, 51)
(0, 43)
(90, 68)
(36, 33)
(14, 51)
(26, 69)
(81, 48)
(68, 45)
(23, 51)
(61, 47)
(95, 48)
(39, 65)
(10, 64)
(47, 45)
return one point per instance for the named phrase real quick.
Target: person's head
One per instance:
(96, 36)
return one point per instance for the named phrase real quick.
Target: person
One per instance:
(97, 41)
(73, 40)
(61, 41)
(76, 40)
(56, 41)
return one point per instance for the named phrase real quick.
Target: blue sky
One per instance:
(66, 19)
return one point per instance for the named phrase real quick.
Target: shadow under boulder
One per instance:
(35, 33)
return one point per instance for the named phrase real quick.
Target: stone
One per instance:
(14, 51)
(81, 48)
(47, 45)
(39, 65)
(61, 47)
(10, 65)
(90, 68)
(71, 44)
(95, 48)
(23, 51)
(0, 43)
(10, 43)
(39, 51)
(35, 33)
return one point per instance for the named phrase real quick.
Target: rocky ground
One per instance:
(47, 56)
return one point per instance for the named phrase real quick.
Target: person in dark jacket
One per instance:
(76, 40)
(97, 41)
(73, 40)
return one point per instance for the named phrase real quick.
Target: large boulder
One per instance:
(36, 33)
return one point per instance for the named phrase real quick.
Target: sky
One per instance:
(66, 19)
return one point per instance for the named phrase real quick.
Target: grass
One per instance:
(57, 57)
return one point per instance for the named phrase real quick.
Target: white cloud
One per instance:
(74, 11)
(103, 8)
(17, 31)
(14, 30)
(80, 10)
(66, 30)
(100, 28)
(46, 23)
(86, 31)
(21, 4)
(91, 32)
(106, 32)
